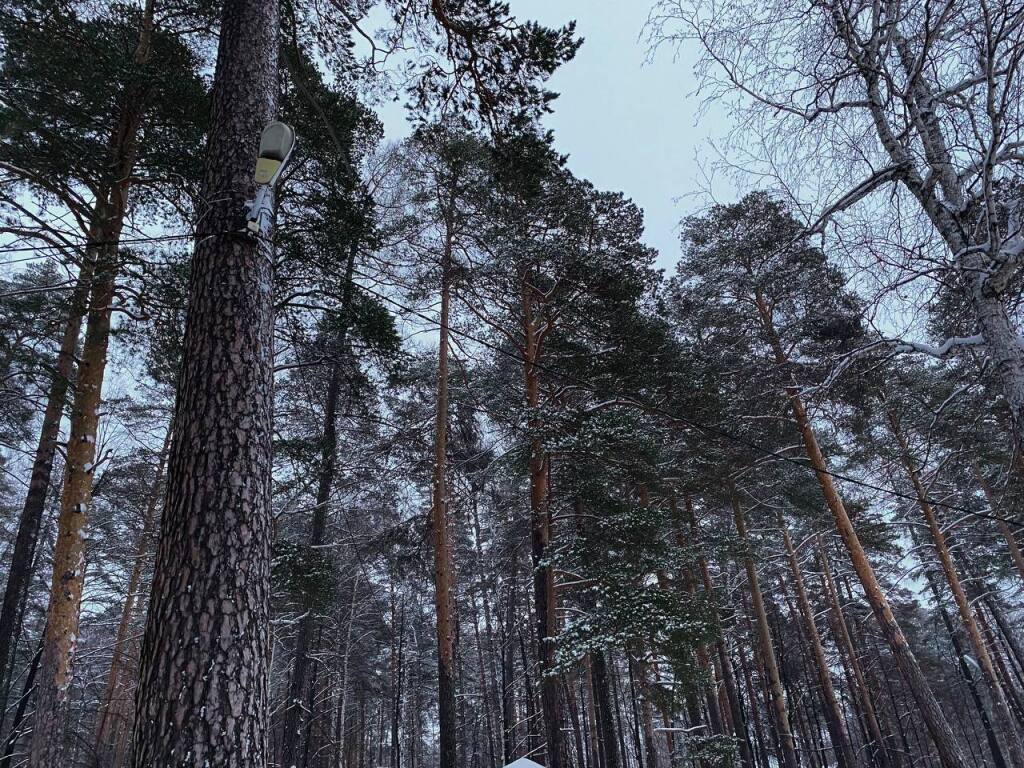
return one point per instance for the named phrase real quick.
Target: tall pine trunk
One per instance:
(23, 556)
(443, 562)
(760, 739)
(968, 676)
(945, 741)
(862, 693)
(59, 642)
(205, 702)
(61, 634)
(545, 607)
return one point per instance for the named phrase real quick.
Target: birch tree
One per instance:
(845, 102)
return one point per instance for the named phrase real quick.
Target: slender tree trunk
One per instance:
(113, 712)
(646, 711)
(508, 673)
(711, 702)
(485, 642)
(760, 739)
(1002, 673)
(59, 643)
(292, 725)
(968, 676)
(981, 595)
(642, 755)
(1004, 527)
(568, 694)
(443, 558)
(545, 604)
(595, 738)
(728, 675)
(938, 727)
(485, 691)
(617, 708)
(212, 577)
(605, 712)
(1003, 716)
(778, 699)
(344, 685)
(763, 687)
(311, 704)
(22, 708)
(689, 584)
(735, 705)
(55, 673)
(861, 690)
(399, 692)
(532, 738)
(834, 715)
(23, 556)
(942, 734)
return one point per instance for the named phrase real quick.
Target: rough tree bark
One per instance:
(204, 702)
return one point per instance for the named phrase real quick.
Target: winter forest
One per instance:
(327, 442)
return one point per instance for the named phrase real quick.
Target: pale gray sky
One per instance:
(628, 124)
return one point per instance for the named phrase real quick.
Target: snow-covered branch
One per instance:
(950, 346)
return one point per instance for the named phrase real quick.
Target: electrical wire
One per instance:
(91, 243)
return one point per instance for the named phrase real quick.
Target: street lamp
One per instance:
(276, 144)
